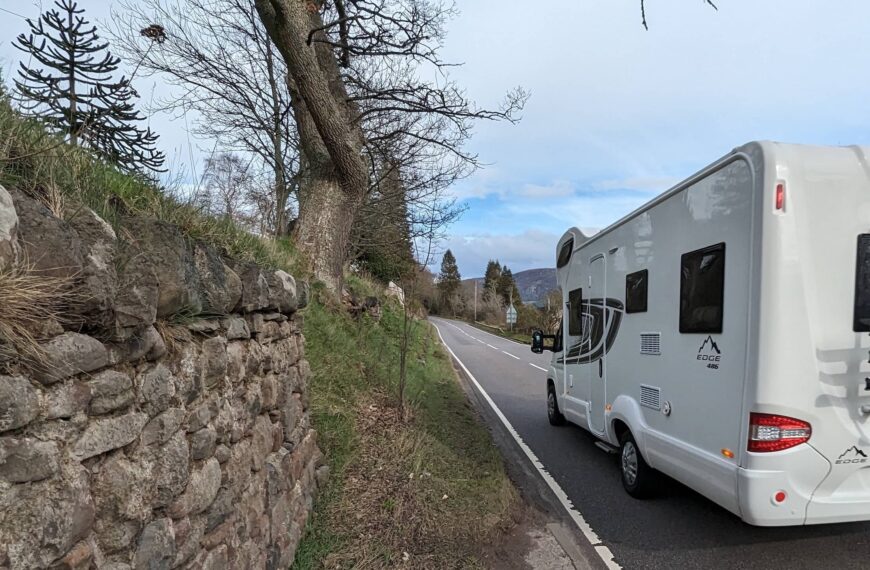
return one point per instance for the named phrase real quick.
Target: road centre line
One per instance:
(538, 367)
(492, 347)
(601, 549)
(511, 355)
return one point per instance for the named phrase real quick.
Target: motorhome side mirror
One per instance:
(537, 342)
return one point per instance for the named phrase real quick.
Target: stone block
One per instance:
(144, 342)
(110, 390)
(104, 435)
(202, 443)
(67, 400)
(220, 286)
(8, 231)
(49, 243)
(41, 521)
(255, 287)
(214, 360)
(236, 328)
(19, 402)
(156, 547)
(200, 492)
(162, 427)
(156, 387)
(24, 459)
(70, 354)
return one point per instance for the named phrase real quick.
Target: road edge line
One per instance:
(600, 548)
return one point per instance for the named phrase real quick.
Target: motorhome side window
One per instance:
(702, 290)
(636, 291)
(575, 312)
(565, 254)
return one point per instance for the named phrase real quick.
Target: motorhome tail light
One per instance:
(771, 432)
(780, 196)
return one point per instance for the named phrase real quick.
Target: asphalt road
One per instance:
(677, 529)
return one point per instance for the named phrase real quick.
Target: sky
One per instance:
(617, 114)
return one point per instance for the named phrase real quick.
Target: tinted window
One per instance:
(862, 286)
(557, 344)
(636, 291)
(575, 312)
(702, 290)
(565, 253)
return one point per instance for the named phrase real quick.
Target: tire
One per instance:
(553, 414)
(638, 478)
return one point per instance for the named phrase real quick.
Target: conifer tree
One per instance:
(449, 280)
(492, 277)
(507, 287)
(70, 88)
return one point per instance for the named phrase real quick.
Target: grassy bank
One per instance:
(425, 492)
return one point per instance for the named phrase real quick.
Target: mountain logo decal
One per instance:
(852, 455)
(710, 354)
(709, 344)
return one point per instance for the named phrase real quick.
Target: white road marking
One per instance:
(538, 367)
(511, 355)
(600, 548)
(491, 346)
(480, 341)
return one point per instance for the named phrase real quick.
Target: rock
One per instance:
(123, 489)
(255, 288)
(110, 391)
(104, 435)
(190, 546)
(25, 459)
(142, 343)
(8, 231)
(222, 453)
(79, 558)
(70, 354)
(156, 549)
(215, 559)
(98, 280)
(282, 292)
(202, 444)
(220, 287)
(200, 492)
(114, 535)
(171, 468)
(200, 417)
(237, 328)
(214, 360)
(50, 245)
(261, 441)
(204, 326)
(269, 392)
(41, 521)
(138, 294)
(19, 402)
(162, 427)
(321, 476)
(156, 388)
(171, 257)
(67, 400)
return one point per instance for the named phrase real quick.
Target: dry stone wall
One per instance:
(128, 447)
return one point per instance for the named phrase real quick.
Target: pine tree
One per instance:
(492, 277)
(507, 287)
(76, 96)
(449, 279)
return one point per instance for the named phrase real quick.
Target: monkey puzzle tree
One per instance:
(71, 89)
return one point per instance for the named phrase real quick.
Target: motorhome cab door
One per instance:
(596, 316)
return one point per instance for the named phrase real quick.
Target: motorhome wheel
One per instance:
(638, 478)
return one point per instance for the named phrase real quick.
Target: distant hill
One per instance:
(533, 284)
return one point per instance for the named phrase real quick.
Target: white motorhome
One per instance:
(719, 334)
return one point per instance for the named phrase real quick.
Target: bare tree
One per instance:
(218, 55)
(227, 184)
(357, 99)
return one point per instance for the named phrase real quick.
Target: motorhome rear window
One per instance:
(636, 291)
(702, 290)
(565, 254)
(862, 286)
(575, 313)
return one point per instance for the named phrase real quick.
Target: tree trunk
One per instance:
(331, 140)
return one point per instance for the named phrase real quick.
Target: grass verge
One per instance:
(519, 337)
(428, 491)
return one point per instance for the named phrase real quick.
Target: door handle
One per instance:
(600, 367)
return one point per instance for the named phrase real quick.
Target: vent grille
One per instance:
(650, 397)
(651, 343)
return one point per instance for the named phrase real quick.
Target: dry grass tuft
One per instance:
(28, 301)
(173, 334)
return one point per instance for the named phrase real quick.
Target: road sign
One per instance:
(511, 315)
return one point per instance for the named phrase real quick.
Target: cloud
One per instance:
(557, 189)
(639, 183)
